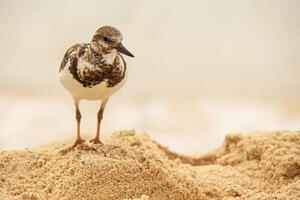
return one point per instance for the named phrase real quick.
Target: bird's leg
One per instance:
(96, 140)
(79, 141)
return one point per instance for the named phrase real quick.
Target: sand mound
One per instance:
(132, 166)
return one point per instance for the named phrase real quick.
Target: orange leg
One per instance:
(96, 140)
(79, 141)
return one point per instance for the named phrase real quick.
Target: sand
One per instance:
(131, 166)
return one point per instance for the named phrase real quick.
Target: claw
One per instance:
(96, 141)
(29, 197)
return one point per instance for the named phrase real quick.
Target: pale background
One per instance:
(202, 69)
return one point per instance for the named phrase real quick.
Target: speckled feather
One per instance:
(100, 71)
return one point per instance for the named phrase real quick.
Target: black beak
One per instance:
(122, 49)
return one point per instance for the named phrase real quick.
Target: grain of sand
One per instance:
(132, 166)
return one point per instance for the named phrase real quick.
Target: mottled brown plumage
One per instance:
(112, 74)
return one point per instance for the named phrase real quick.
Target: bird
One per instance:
(94, 71)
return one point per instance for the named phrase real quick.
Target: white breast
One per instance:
(97, 92)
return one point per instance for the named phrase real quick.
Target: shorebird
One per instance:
(94, 71)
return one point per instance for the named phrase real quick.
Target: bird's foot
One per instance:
(79, 145)
(96, 141)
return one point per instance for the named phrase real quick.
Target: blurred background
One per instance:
(202, 69)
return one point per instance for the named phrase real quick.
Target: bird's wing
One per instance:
(71, 52)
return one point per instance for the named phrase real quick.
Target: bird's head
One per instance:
(108, 39)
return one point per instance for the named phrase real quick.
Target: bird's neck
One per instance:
(109, 58)
(96, 48)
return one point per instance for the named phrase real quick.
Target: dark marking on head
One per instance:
(106, 39)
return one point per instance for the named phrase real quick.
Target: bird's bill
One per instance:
(123, 50)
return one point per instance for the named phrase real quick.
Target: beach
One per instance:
(262, 165)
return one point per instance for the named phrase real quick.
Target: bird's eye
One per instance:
(105, 39)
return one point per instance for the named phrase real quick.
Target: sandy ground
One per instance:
(263, 165)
